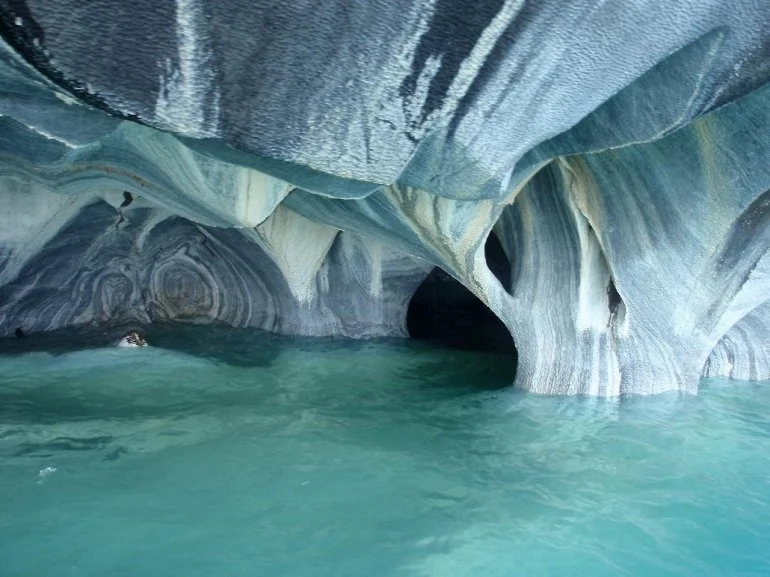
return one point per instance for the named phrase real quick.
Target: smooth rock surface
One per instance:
(301, 168)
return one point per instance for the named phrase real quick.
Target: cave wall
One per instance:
(633, 263)
(140, 264)
(301, 168)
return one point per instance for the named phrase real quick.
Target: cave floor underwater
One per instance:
(236, 452)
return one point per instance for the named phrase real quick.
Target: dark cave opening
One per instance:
(442, 311)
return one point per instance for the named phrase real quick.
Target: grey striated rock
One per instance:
(154, 266)
(743, 352)
(302, 167)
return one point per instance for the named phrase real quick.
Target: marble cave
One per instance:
(594, 174)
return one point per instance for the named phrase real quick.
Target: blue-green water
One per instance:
(234, 453)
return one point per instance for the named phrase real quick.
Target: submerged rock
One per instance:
(302, 168)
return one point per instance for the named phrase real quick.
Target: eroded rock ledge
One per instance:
(302, 168)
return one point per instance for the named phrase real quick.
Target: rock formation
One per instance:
(301, 167)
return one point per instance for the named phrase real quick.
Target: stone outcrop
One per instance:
(301, 167)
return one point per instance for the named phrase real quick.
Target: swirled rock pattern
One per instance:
(149, 265)
(743, 352)
(302, 167)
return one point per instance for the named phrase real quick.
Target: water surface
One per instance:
(235, 453)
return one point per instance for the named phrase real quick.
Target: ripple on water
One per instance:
(240, 453)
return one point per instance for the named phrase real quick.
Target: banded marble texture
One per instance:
(149, 265)
(244, 163)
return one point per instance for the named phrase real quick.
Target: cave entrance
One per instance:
(444, 312)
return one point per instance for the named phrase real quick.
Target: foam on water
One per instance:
(236, 453)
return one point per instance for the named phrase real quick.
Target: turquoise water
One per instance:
(233, 453)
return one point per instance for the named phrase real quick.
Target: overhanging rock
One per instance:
(301, 168)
